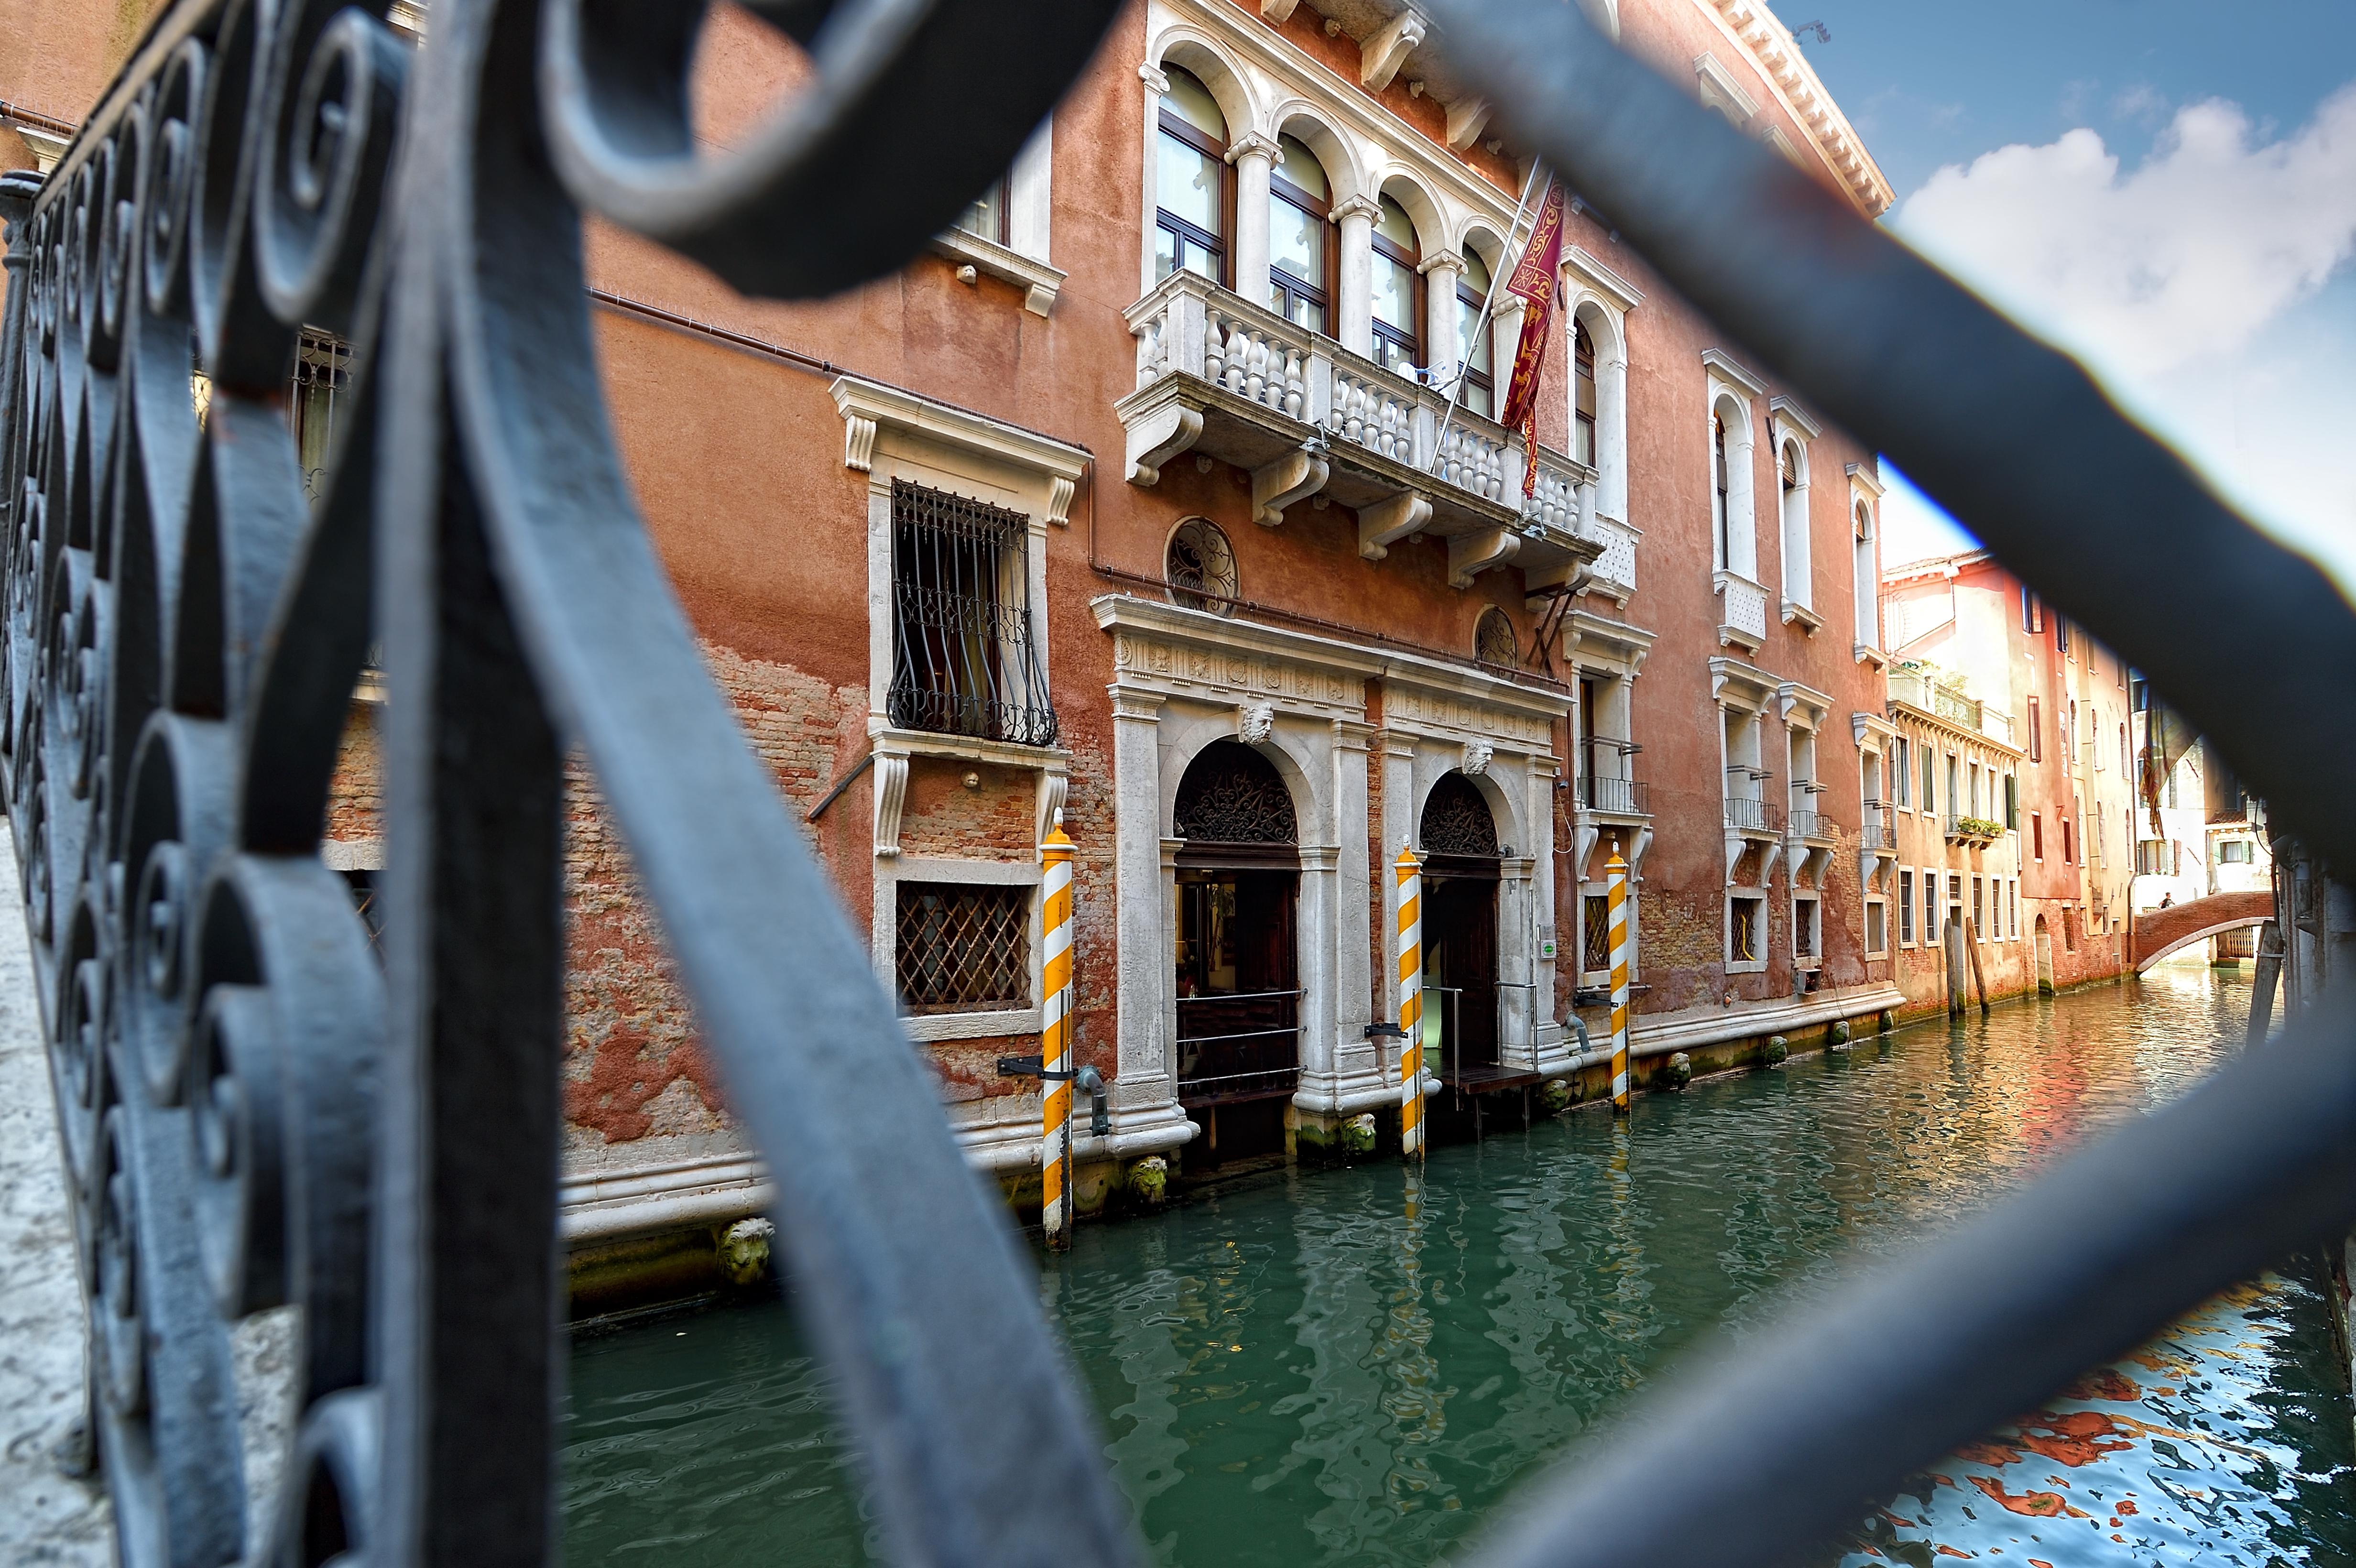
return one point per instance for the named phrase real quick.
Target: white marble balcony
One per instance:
(1219, 376)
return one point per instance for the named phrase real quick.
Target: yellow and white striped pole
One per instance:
(1055, 1038)
(1615, 872)
(1410, 1000)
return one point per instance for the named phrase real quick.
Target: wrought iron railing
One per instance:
(1753, 816)
(1808, 823)
(1629, 797)
(1879, 830)
(1244, 1046)
(256, 1109)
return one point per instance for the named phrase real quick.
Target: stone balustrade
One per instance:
(1321, 399)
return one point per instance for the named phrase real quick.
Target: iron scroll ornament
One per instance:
(243, 1093)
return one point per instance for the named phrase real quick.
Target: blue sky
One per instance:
(2168, 188)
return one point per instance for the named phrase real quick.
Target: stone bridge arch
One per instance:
(2161, 932)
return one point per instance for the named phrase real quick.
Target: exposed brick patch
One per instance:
(355, 795)
(994, 820)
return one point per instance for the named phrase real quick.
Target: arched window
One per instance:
(1456, 820)
(1191, 182)
(1868, 583)
(1799, 569)
(1479, 393)
(1582, 394)
(1717, 502)
(1492, 638)
(1200, 567)
(1300, 242)
(1399, 291)
(1231, 795)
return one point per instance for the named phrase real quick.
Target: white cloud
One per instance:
(2190, 254)
(2198, 287)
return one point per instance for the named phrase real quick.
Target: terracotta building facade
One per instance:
(1165, 498)
(2031, 763)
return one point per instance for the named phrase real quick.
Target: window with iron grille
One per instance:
(963, 660)
(1745, 919)
(963, 948)
(323, 368)
(1595, 934)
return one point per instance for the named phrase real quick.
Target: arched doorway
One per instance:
(2044, 957)
(1460, 855)
(1238, 874)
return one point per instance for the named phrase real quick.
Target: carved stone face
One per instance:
(1257, 724)
(1477, 757)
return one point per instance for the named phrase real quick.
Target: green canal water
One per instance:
(1358, 1366)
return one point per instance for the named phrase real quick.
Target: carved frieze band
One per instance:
(1236, 671)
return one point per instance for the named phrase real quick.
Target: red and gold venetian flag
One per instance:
(1535, 280)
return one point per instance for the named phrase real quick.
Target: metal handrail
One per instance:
(475, 493)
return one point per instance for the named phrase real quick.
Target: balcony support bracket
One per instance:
(1386, 523)
(1468, 555)
(1295, 476)
(1156, 436)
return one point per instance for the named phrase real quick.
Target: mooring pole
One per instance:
(1615, 873)
(1410, 1000)
(2269, 975)
(1055, 1039)
(1954, 952)
(1972, 945)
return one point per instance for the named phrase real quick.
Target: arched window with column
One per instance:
(1479, 392)
(1868, 580)
(1193, 184)
(1301, 239)
(1398, 290)
(1799, 572)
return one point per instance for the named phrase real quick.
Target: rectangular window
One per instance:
(2068, 850)
(1877, 928)
(1595, 934)
(1930, 780)
(2037, 835)
(2036, 734)
(2012, 908)
(2233, 852)
(2011, 804)
(1808, 928)
(1956, 899)
(987, 215)
(1743, 934)
(1929, 906)
(1976, 790)
(1979, 914)
(2032, 610)
(2061, 645)
(323, 372)
(1906, 909)
(963, 947)
(1902, 765)
(963, 661)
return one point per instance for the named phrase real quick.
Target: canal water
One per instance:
(1358, 1366)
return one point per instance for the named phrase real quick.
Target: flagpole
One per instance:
(1497, 276)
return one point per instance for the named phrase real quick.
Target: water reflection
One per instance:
(1354, 1366)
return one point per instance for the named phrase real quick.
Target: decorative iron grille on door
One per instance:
(962, 657)
(258, 1110)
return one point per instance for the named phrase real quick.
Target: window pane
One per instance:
(1394, 293)
(1301, 168)
(1296, 241)
(1165, 253)
(1193, 102)
(1394, 226)
(1189, 185)
(987, 215)
(1476, 342)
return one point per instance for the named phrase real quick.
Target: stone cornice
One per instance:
(869, 407)
(1789, 410)
(1306, 672)
(1770, 49)
(1616, 290)
(1732, 370)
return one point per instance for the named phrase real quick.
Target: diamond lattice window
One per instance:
(964, 949)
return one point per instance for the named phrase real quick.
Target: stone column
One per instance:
(1397, 754)
(1253, 155)
(1156, 86)
(1315, 945)
(1354, 891)
(1145, 1067)
(1354, 305)
(1443, 350)
(1612, 429)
